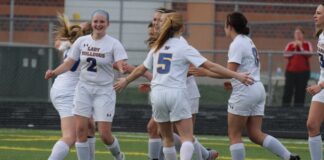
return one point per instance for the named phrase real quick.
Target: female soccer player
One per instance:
(316, 110)
(154, 144)
(170, 59)
(246, 104)
(94, 93)
(62, 92)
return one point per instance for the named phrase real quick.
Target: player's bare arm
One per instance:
(67, 65)
(123, 82)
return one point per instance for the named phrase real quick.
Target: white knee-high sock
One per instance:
(203, 150)
(170, 153)
(274, 146)
(92, 147)
(154, 145)
(186, 151)
(115, 149)
(237, 151)
(177, 142)
(315, 147)
(197, 150)
(83, 150)
(60, 151)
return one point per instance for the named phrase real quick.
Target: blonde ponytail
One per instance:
(172, 25)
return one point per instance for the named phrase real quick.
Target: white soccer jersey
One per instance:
(97, 58)
(192, 88)
(320, 51)
(243, 51)
(170, 64)
(69, 79)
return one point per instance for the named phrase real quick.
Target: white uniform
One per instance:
(170, 67)
(63, 89)
(319, 97)
(246, 100)
(192, 90)
(94, 93)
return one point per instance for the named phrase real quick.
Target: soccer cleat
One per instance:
(294, 157)
(212, 155)
(121, 156)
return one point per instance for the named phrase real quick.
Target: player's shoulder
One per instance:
(111, 39)
(241, 40)
(85, 37)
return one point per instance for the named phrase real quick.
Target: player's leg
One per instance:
(92, 138)
(61, 148)
(63, 103)
(254, 125)
(205, 153)
(111, 142)
(104, 111)
(154, 142)
(82, 112)
(314, 121)
(166, 132)
(185, 130)
(236, 125)
(82, 145)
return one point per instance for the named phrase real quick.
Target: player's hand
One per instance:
(120, 84)
(314, 89)
(245, 78)
(49, 74)
(198, 72)
(144, 87)
(125, 67)
(228, 86)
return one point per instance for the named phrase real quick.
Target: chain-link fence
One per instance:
(26, 40)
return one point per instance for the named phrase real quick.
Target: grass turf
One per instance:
(20, 144)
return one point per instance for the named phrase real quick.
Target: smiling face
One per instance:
(99, 24)
(319, 17)
(156, 21)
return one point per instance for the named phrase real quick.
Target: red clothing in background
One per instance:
(297, 62)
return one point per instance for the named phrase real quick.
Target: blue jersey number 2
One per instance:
(164, 63)
(93, 65)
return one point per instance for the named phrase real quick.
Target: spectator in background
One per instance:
(297, 70)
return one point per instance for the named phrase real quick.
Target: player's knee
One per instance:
(107, 138)
(313, 127)
(152, 130)
(69, 140)
(82, 133)
(168, 141)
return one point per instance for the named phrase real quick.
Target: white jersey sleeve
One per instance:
(235, 54)
(193, 56)
(119, 52)
(148, 62)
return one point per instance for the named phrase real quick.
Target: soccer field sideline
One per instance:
(8, 136)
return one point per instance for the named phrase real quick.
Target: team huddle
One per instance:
(84, 92)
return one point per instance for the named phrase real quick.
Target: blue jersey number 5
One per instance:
(164, 63)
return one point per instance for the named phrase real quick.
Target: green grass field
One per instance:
(18, 144)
